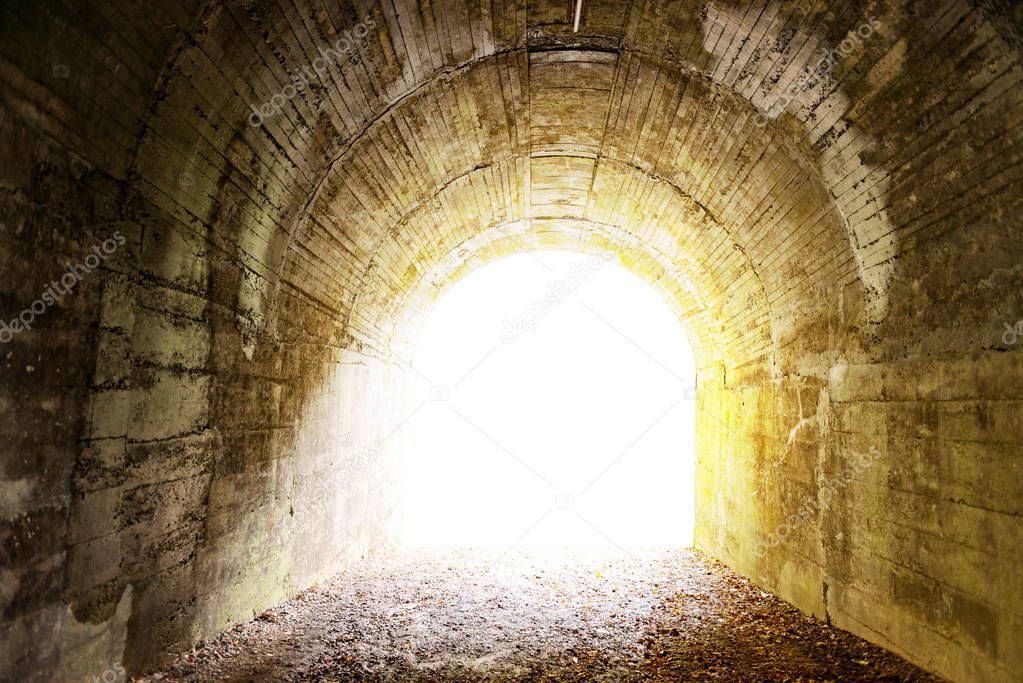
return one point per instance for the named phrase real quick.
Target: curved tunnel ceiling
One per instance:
(645, 123)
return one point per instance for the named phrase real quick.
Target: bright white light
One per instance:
(563, 423)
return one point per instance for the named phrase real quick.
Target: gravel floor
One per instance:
(663, 615)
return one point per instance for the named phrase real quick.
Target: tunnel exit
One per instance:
(552, 405)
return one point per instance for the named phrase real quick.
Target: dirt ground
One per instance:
(659, 615)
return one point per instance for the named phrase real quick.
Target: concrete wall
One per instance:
(919, 551)
(845, 253)
(174, 461)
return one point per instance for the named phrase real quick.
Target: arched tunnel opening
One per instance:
(552, 405)
(223, 227)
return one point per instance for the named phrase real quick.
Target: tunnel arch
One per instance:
(561, 157)
(670, 281)
(269, 262)
(798, 189)
(815, 209)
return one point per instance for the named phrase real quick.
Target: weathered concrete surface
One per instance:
(844, 250)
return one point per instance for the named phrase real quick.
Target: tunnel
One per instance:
(224, 224)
